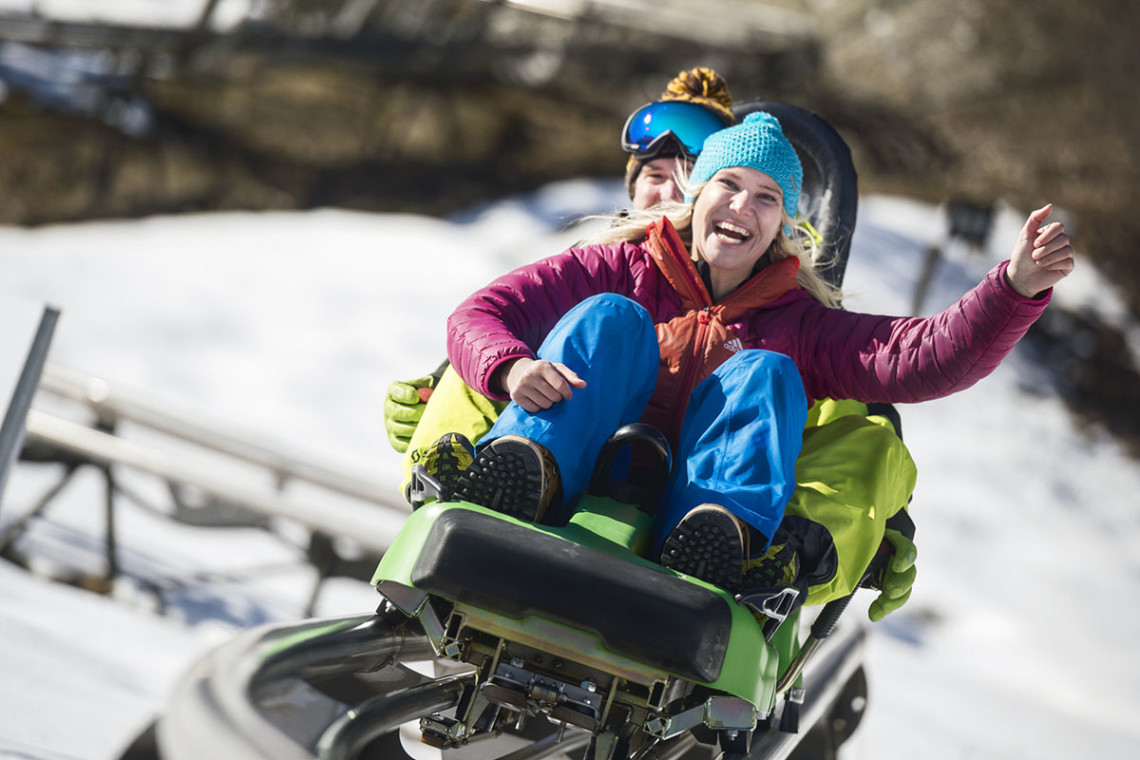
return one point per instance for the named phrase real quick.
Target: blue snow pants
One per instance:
(742, 431)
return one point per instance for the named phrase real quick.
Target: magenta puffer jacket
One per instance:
(840, 354)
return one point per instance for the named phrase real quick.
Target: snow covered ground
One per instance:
(1019, 641)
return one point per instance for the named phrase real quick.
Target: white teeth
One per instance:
(734, 231)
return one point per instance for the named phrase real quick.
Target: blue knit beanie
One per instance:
(757, 143)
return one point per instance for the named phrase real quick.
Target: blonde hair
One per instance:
(794, 239)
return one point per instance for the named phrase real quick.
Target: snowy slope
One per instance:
(1017, 642)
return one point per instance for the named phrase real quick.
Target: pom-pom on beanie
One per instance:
(702, 86)
(757, 143)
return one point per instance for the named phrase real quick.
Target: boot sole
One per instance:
(707, 545)
(510, 477)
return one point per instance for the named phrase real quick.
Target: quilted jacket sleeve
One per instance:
(510, 317)
(900, 360)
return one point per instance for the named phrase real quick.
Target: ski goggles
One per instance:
(650, 127)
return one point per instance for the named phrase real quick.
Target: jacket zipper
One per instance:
(704, 316)
(700, 336)
(699, 295)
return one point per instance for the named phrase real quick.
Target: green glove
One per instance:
(897, 577)
(404, 406)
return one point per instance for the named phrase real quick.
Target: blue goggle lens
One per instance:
(687, 123)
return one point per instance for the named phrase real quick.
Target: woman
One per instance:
(712, 325)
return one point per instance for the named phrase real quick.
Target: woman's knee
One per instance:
(758, 358)
(753, 365)
(607, 329)
(614, 307)
(614, 318)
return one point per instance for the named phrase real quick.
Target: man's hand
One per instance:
(897, 578)
(403, 408)
(1042, 256)
(536, 384)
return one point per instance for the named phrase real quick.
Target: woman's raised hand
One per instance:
(1042, 256)
(536, 384)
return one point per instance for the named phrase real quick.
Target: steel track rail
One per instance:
(217, 710)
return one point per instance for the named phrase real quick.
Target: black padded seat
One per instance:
(640, 613)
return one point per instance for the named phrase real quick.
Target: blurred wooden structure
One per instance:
(214, 478)
(530, 42)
